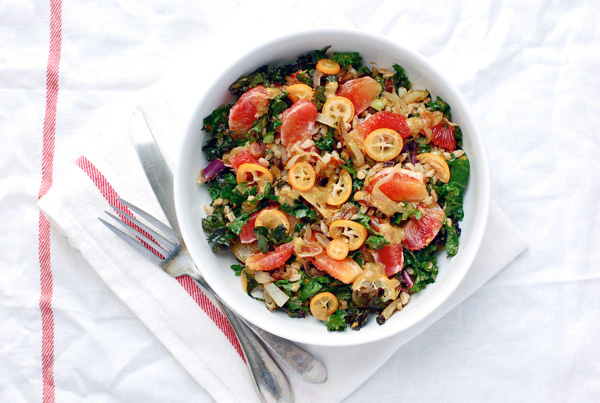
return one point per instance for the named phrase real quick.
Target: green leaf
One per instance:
(237, 268)
(439, 105)
(347, 58)
(376, 242)
(401, 77)
(423, 264)
(326, 143)
(236, 225)
(337, 321)
(300, 211)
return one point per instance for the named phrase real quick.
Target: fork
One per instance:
(176, 261)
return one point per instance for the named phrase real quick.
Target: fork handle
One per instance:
(299, 360)
(271, 383)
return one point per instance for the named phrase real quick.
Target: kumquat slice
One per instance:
(328, 66)
(353, 232)
(253, 173)
(383, 144)
(272, 219)
(340, 190)
(339, 107)
(338, 249)
(302, 176)
(323, 305)
(297, 92)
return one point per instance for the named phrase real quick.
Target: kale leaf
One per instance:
(423, 264)
(439, 105)
(401, 77)
(376, 242)
(347, 58)
(326, 143)
(267, 237)
(300, 210)
(337, 321)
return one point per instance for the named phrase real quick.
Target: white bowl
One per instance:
(190, 198)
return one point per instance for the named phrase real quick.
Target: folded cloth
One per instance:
(184, 319)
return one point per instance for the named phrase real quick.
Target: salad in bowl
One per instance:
(336, 183)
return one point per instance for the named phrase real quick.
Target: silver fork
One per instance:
(176, 261)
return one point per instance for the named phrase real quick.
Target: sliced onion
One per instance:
(262, 277)
(323, 240)
(399, 105)
(326, 120)
(317, 79)
(212, 170)
(407, 279)
(274, 292)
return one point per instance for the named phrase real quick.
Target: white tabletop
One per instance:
(530, 71)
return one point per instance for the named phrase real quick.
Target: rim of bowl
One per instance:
(480, 209)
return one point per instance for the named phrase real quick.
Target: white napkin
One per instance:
(184, 319)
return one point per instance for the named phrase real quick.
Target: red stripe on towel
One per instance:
(187, 283)
(49, 133)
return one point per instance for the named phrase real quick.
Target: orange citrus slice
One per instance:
(272, 219)
(337, 249)
(323, 305)
(339, 107)
(339, 191)
(253, 173)
(383, 144)
(437, 163)
(351, 231)
(302, 176)
(328, 66)
(297, 92)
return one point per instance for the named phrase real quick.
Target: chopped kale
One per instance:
(236, 225)
(410, 211)
(300, 211)
(423, 264)
(459, 136)
(326, 143)
(376, 242)
(450, 194)
(218, 120)
(237, 268)
(337, 321)
(347, 58)
(439, 105)
(268, 76)
(320, 97)
(321, 54)
(267, 237)
(401, 77)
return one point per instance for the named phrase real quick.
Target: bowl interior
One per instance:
(190, 198)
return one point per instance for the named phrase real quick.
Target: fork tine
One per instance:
(152, 220)
(165, 243)
(132, 242)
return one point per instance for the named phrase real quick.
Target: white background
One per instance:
(530, 71)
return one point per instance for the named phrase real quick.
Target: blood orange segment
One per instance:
(242, 157)
(391, 257)
(384, 120)
(251, 105)
(419, 233)
(443, 136)
(247, 234)
(298, 122)
(271, 260)
(345, 270)
(404, 185)
(360, 92)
